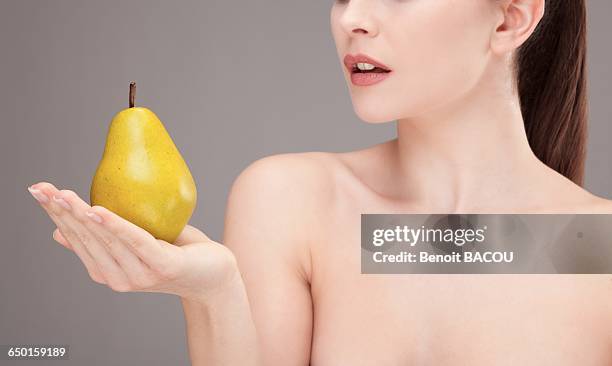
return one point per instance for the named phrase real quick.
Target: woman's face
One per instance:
(437, 50)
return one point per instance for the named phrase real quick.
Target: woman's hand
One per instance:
(125, 257)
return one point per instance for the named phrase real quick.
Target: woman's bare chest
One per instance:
(453, 319)
(437, 320)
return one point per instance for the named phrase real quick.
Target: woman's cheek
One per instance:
(439, 67)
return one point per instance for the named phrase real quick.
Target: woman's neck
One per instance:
(468, 154)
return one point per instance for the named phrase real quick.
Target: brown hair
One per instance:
(552, 80)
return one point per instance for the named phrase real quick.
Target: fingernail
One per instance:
(94, 217)
(61, 202)
(37, 193)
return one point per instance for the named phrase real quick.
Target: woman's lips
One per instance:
(367, 78)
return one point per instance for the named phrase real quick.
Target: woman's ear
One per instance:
(517, 21)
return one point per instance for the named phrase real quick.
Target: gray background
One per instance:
(232, 82)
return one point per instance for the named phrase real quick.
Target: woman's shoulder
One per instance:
(313, 172)
(308, 170)
(579, 200)
(279, 204)
(597, 205)
(559, 194)
(304, 180)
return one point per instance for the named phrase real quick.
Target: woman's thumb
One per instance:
(190, 235)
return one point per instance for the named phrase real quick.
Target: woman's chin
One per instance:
(374, 115)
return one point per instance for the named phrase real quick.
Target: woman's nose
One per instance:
(358, 18)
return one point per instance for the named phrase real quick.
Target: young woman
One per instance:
(490, 102)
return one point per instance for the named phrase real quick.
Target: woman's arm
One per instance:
(125, 257)
(268, 224)
(220, 329)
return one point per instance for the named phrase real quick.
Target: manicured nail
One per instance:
(61, 202)
(94, 217)
(37, 193)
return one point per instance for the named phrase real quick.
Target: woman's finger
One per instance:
(160, 256)
(58, 237)
(42, 193)
(114, 275)
(136, 271)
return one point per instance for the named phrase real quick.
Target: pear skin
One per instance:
(142, 176)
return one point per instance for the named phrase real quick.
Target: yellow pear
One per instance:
(142, 176)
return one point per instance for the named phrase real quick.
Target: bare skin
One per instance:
(286, 288)
(292, 224)
(448, 319)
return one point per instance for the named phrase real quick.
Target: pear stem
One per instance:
(132, 93)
